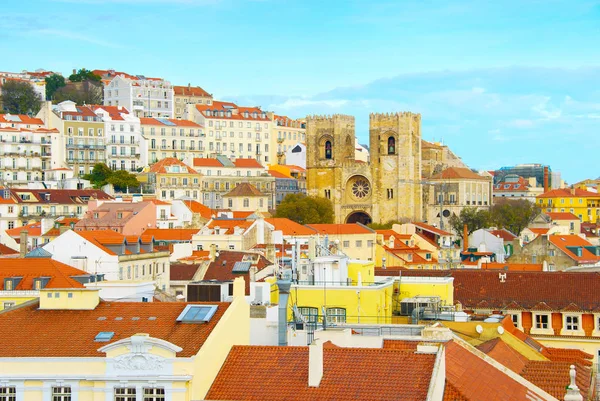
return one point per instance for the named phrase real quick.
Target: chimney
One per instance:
(465, 238)
(546, 177)
(189, 85)
(315, 363)
(573, 191)
(284, 293)
(212, 254)
(23, 243)
(270, 253)
(573, 393)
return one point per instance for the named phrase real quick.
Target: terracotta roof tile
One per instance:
(183, 271)
(561, 216)
(451, 393)
(458, 173)
(190, 91)
(4, 250)
(29, 269)
(247, 163)
(432, 229)
(244, 189)
(569, 243)
(527, 289)
(33, 230)
(289, 227)
(174, 122)
(504, 234)
(281, 373)
(229, 224)
(207, 162)
(160, 166)
(71, 333)
(567, 193)
(553, 377)
(533, 267)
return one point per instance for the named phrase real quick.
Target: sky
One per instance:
(500, 82)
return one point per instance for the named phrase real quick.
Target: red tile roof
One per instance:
(28, 269)
(277, 174)
(172, 234)
(59, 196)
(504, 234)
(430, 228)
(503, 353)
(569, 193)
(289, 227)
(533, 267)
(566, 243)
(182, 271)
(339, 229)
(113, 111)
(521, 185)
(539, 231)
(561, 216)
(4, 250)
(237, 112)
(63, 222)
(202, 210)
(221, 268)
(190, 91)
(281, 373)
(101, 238)
(71, 333)
(25, 119)
(207, 162)
(458, 173)
(229, 224)
(33, 230)
(525, 289)
(247, 163)
(244, 189)
(160, 166)
(553, 377)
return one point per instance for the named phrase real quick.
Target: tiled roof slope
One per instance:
(281, 373)
(562, 216)
(183, 271)
(59, 273)
(458, 173)
(289, 227)
(221, 269)
(71, 333)
(553, 377)
(4, 250)
(568, 193)
(160, 166)
(504, 234)
(333, 229)
(526, 289)
(566, 244)
(190, 91)
(244, 189)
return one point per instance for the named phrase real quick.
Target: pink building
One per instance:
(127, 218)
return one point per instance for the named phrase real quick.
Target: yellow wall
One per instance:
(86, 299)
(576, 205)
(366, 304)
(16, 300)
(589, 345)
(409, 287)
(366, 270)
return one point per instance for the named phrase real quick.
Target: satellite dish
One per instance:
(479, 329)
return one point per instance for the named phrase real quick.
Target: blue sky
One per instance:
(500, 82)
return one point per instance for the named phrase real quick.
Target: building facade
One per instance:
(287, 133)
(234, 131)
(189, 94)
(172, 179)
(580, 202)
(383, 190)
(146, 97)
(164, 138)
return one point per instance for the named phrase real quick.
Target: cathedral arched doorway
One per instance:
(359, 217)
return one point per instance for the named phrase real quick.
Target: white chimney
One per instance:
(315, 363)
(573, 393)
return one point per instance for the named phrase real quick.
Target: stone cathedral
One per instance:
(387, 188)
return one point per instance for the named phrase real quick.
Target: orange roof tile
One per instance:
(539, 231)
(197, 207)
(533, 267)
(207, 162)
(229, 224)
(247, 163)
(172, 234)
(277, 174)
(4, 250)
(244, 189)
(458, 173)
(569, 193)
(553, 377)
(333, 229)
(190, 91)
(71, 333)
(24, 119)
(33, 230)
(160, 166)
(281, 373)
(504, 234)
(29, 269)
(100, 238)
(432, 229)
(289, 227)
(237, 113)
(561, 216)
(568, 243)
(241, 215)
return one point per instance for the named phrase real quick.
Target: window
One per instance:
(346, 244)
(8, 305)
(370, 244)
(8, 394)
(359, 244)
(390, 193)
(154, 394)
(515, 319)
(572, 323)
(61, 393)
(125, 394)
(310, 315)
(246, 202)
(328, 150)
(542, 321)
(336, 315)
(391, 145)
(328, 193)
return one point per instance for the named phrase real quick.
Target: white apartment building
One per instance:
(146, 97)
(234, 131)
(126, 149)
(164, 138)
(25, 149)
(189, 94)
(286, 134)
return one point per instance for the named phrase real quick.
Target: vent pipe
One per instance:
(546, 179)
(284, 294)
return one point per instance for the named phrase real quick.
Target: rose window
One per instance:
(361, 188)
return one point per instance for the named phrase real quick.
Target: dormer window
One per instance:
(119, 215)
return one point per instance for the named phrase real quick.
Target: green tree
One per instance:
(123, 180)
(471, 216)
(99, 175)
(386, 226)
(53, 83)
(305, 209)
(84, 75)
(20, 98)
(513, 215)
(86, 92)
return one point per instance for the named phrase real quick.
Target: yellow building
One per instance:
(580, 202)
(117, 351)
(189, 94)
(246, 198)
(22, 279)
(172, 179)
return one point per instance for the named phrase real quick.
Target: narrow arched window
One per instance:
(391, 145)
(328, 150)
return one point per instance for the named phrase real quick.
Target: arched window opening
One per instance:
(328, 149)
(391, 145)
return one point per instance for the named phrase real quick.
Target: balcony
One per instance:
(259, 128)
(280, 140)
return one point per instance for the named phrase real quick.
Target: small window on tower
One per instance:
(328, 150)
(391, 145)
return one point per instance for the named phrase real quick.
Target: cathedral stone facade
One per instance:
(385, 189)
